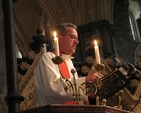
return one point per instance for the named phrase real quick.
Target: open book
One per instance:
(113, 82)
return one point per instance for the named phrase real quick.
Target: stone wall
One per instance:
(125, 44)
(3, 106)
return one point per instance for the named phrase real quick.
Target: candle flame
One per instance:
(95, 42)
(54, 34)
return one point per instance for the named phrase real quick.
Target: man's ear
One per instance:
(60, 38)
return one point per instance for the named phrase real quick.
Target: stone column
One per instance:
(13, 97)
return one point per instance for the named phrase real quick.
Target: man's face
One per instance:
(68, 41)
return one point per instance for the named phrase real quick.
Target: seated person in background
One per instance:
(48, 86)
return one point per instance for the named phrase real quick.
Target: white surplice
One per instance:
(49, 89)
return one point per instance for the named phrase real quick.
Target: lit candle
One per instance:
(97, 54)
(56, 44)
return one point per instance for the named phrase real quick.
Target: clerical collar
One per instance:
(67, 56)
(64, 55)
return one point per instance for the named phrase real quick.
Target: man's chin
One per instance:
(72, 52)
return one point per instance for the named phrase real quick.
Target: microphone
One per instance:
(129, 65)
(134, 69)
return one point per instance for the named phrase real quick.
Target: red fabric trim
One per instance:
(64, 70)
(70, 103)
(65, 73)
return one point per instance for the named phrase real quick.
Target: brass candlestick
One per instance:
(57, 60)
(68, 86)
(99, 68)
(93, 87)
(88, 88)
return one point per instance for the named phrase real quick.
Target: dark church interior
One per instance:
(26, 32)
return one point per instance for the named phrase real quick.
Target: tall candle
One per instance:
(56, 44)
(97, 54)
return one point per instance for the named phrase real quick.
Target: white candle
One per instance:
(56, 44)
(97, 54)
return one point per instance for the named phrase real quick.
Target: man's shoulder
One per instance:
(48, 54)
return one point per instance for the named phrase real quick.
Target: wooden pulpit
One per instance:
(61, 108)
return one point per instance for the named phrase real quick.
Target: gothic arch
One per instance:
(77, 12)
(21, 43)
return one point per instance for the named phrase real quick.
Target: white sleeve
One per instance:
(47, 80)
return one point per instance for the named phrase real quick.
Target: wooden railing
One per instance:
(26, 81)
(74, 109)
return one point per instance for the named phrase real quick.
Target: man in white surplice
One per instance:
(48, 86)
